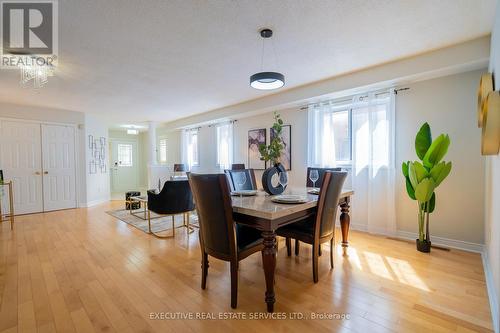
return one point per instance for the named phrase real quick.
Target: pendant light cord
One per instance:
(262, 55)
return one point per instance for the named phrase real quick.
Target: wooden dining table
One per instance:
(262, 213)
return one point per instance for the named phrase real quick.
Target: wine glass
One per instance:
(283, 179)
(241, 179)
(314, 176)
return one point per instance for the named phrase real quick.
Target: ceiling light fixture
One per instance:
(266, 80)
(36, 73)
(132, 131)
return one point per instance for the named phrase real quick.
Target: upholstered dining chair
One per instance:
(175, 198)
(309, 183)
(237, 166)
(250, 183)
(220, 236)
(321, 173)
(180, 168)
(320, 227)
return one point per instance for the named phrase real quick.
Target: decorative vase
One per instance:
(423, 246)
(267, 177)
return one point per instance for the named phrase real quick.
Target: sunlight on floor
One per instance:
(406, 274)
(394, 269)
(353, 256)
(377, 265)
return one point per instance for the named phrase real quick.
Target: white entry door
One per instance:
(21, 162)
(58, 156)
(123, 166)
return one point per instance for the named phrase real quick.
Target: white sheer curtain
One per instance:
(189, 147)
(321, 151)
(372, 174)
(224, 145)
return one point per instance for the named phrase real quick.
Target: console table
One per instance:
(10, 215)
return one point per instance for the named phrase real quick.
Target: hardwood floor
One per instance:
(82, 271)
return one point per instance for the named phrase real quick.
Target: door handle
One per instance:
(37, 173)
(45, 172)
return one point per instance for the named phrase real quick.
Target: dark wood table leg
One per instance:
(269, 262)
(345, 221)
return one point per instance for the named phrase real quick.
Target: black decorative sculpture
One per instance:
(267, 178)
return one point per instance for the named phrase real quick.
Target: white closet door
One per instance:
(20, 160)
(59, 179)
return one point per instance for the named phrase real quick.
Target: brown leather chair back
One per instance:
(328, 201)
(213, 204)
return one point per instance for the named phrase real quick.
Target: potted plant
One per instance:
(272, 153)
(424, 176)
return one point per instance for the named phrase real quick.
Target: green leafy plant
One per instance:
(424, 176)
(272, 152)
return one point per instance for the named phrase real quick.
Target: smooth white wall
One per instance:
(448, 104)
(97, 184)
(492, 202)
(298, 121)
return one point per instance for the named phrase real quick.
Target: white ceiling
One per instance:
(133, 61)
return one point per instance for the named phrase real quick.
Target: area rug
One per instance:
(158, 223)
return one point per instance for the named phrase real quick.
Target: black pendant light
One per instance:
(266, 80)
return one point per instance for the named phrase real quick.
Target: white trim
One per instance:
(492, 293)
(32, 121)
(451, 243)
(94, 203)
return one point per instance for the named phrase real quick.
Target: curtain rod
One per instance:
(395, 91)
(191, 128)
(223, 123)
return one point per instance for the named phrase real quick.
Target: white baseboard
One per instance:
(447, 242)
(492, 293)
(94, 202)
(451, 243)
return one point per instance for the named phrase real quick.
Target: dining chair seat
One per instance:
(302, 230)
(247, 237)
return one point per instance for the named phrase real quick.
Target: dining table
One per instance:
(261, 212)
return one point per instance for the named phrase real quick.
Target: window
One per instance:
(162, 154)
(224, 146)
(341, 132)
(189, 150)
(341, 121)
(125, 155)
(329, 142)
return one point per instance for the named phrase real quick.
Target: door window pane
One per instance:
(163, 151)
(125, 155)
